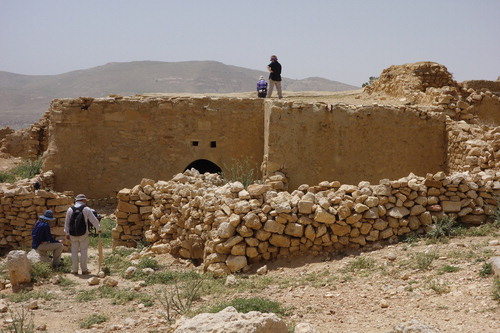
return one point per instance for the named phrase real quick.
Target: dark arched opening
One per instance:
(204, 166)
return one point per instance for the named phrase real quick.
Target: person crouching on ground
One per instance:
(262, 87)
(80, 240)
(43, 241)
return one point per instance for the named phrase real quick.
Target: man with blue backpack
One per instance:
(43, 241)
(76, 227)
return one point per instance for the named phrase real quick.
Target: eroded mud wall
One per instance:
(99, 146)
(315, 142)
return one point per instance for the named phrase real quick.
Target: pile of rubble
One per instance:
(227, 227)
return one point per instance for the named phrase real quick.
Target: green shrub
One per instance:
(424, 260)
(448, 269)
(241, 170)
(40, 271)
(28, 168)
(361, 263)
(7, 177)
(93, 319)
(486, 270)
(107, 226)
(251, 304)
(444, 226)
(148, 262)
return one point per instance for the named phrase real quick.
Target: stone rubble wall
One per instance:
(227, 227)
(430, 83)
(472, 148)
(28, 143)
(21, 205)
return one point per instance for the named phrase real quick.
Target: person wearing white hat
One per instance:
(80, 242)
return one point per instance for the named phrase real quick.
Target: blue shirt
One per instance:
(41, 233)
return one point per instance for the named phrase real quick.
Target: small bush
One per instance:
(424, 260)
(251, 304)
(6, 177)
(40, 271)
(240, 170)
(486, 270)
(33, 294)
(440, 287)
(93, 319)
(361, 263)
(28, 168)
(448, 269)
(21, 322)
(180, 299)
(444, 226)
(148, 262)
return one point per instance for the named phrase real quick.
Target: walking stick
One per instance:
(99, 248)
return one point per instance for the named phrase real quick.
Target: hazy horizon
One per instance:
(344, 41)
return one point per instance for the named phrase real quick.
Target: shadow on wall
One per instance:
(204, 166)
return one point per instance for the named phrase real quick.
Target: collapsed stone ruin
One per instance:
(334, 176)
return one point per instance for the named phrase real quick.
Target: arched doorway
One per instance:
(204, 166)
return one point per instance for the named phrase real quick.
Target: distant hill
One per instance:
(24, 98)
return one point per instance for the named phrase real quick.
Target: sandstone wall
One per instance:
(472, 148)
(228, 227)
(21, 205)
(315, 142)
(28, 143)
(98, 146)
(493, 86)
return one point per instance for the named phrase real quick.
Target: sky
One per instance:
(341, 40)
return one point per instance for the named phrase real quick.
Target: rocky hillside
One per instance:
(24, 98)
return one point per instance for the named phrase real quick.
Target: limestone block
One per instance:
(310, 233)
(226, 230)
(252, 221)
(236, 263)
(280, 240)
(274, 227)
(262, 235)
(244, 231)
(230, 321)
(239, 249)
(305, 207)
(323, 216)
(417, 210)
(451, 206)
(398, 212)
(343, 212)
(19, 269)
(340, 230)
(218, 269)
(294, 229)
(384, 234)
(127, 207)
(257, 189)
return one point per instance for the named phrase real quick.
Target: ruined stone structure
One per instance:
(227, 227)
(397, 156)
(113, 143)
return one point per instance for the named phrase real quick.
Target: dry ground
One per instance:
(435, 283)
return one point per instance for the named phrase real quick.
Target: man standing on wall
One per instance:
(274, 69)
(79, 234)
